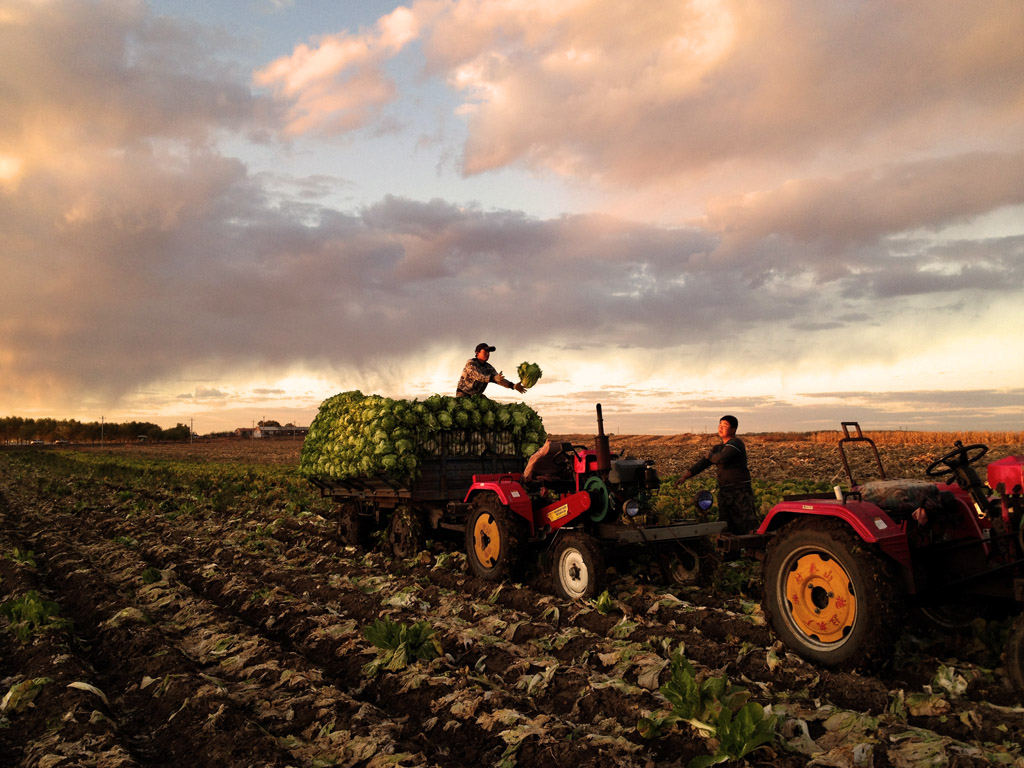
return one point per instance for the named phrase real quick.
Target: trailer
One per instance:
(406, 508)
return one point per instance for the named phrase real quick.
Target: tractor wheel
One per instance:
(688, 564)
(405, 532)
(827, 595)
(494, 539)
(578, 568)
(351, 526)
(1015, 654)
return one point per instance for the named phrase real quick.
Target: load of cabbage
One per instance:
(356, 435)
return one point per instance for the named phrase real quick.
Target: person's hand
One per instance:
(682, 478)
(499, 378)
(518, 387)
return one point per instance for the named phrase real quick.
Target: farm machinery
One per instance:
(841, 569)
(579, 504)
(575, 506)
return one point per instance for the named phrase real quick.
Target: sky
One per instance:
(215, 213)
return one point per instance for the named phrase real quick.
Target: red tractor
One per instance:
(839, 569)
(578, 504)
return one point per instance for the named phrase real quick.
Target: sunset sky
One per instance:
(797, 212)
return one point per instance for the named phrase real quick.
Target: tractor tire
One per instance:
(494, 539)
(1014, 655)
(351, 526)
(405, 532)
(578, 568)
(828, 596)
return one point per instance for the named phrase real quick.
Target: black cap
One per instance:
(481, 346)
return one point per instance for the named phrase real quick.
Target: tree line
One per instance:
(15, 429)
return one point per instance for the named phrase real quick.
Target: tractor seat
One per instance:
(549, 468)
(900, 497)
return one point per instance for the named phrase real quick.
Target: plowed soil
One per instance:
(204, 613)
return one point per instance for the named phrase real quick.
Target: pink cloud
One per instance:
(338, 84)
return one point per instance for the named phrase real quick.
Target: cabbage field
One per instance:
(191, 605)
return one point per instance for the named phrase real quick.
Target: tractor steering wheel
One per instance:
(562, 458)
(959, 457)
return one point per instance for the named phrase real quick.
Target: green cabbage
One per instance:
(354, 435)
(529, 374)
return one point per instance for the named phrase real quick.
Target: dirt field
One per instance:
(194, 608)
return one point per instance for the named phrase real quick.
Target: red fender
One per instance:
(509, 489)
(867, 520)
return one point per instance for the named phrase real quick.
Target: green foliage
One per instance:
(768, 494)
(17, 428)
(31, 614)
(739, 733)
(151, 575)
(354, 435)
(604, 603)
(713, 707)
(22, 557)
(399, 645)
(672, 502)
(529, 374)
(737, 577)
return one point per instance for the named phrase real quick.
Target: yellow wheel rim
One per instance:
(486, 540)
(821, 598)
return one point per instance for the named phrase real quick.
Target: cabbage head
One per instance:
(529, 374)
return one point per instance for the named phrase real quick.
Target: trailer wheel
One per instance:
(827, 595)
(1015, 654)
(405, 532)
(494, 536)
(351, 526)
(578, 567)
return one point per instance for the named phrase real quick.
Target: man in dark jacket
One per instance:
(736, 503)
(478, 373)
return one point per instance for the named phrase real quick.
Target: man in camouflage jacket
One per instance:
(478, 373)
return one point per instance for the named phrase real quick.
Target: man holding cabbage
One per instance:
(478, 373)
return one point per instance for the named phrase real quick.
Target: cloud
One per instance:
(339, 83)
(209, 270)
(107, 73)
(915, 108)
(862, 207)
(136, 252)
(595, 88)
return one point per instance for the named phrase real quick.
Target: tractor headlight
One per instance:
(631, 508)
(705, 501)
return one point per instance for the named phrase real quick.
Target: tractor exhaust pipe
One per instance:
(601, 445)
